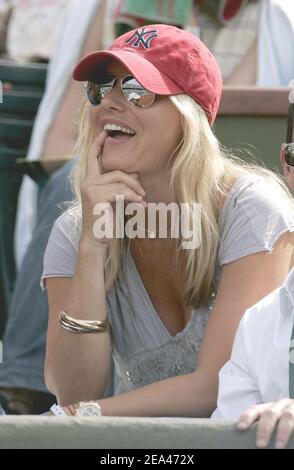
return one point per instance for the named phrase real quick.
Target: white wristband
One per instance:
(57, 410)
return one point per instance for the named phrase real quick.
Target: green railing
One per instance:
(254, 119)
(22, 87)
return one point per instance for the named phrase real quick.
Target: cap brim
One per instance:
(144, 71)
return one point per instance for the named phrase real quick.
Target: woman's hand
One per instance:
(279, 413)
(103, 189)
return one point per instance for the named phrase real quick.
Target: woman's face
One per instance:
(157, 131)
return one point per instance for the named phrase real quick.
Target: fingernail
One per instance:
(261, 443)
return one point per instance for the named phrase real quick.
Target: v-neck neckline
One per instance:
(152, 308)
(230, 194)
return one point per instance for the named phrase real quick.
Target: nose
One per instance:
(114, 99)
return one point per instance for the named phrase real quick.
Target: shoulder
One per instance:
(66, 233)
(263, 192)
(69, 223)
(255, 196)
(62, 248)
(255, 214)
(262, 201)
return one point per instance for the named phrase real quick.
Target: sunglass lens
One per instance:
(97, 90)
(136, 94)
(289, 154)
(93, 93)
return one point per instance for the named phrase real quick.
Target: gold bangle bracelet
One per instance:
(82, 326)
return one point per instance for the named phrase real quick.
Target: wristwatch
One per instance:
(88, 408)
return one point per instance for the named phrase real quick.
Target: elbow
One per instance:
(57, 385)
(211, 397)
(62, 393)
(53, 374)
(71, 385)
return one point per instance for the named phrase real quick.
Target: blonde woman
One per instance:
(167, 314)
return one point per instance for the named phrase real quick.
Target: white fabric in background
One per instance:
(33, 27)
(235, 39)
(258, 370)
(275, 65)
(67, 53)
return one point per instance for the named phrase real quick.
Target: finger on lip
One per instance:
(100, 139)
(94, 152)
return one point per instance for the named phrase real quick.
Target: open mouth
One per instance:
(119, 133)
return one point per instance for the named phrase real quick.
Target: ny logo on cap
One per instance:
(142, 37)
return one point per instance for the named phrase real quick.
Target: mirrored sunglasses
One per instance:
(132, 90)
(289, 154)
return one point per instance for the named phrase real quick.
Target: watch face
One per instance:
(89, 409)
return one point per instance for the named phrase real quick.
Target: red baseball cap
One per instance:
(166, 60)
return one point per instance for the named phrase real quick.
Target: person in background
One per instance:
(23, 390)
(257, 383)
(287, 161)
(287, 149)
(260, 372)
(252, 40)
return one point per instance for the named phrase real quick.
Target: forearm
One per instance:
(77, 365)
(87, 296)
(192, 395)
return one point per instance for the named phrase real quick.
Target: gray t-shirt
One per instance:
(253, 217)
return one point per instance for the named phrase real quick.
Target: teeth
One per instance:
(114, 127)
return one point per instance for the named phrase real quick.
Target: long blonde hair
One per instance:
(200, 171)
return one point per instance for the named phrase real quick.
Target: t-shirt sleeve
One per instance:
(62, 248)
(254, 218)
